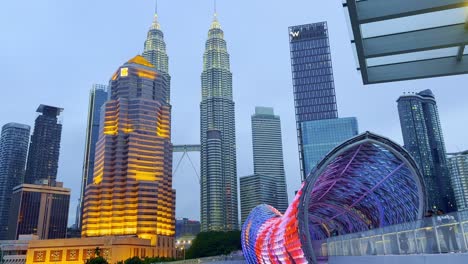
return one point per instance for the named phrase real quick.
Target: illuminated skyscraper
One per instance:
(423, 138)
(14, 143)
(218, 137)
(132, 193)
(155, 52)
(97, 98)
(44, 150)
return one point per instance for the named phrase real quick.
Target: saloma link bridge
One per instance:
(367, 183)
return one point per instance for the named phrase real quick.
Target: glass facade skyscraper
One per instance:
(256, 190)
(14, 142)
(44, 150)
(218, 188)
(97, 98)
(268, 153)
(423, 138)
(132, 193)
(41, 210)
(314, 95)
(458, 164)
(321, 136)
(312, 72)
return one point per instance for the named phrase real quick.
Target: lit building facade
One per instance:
(219, 204)
(367, 182)
(14, 142)
(40, 210)
(458, 164)
(314, 94)
(79, 250)
(132, 193)
(44, 149)
(321, 136)
(423, 138)
(255, 190)
(97, 98)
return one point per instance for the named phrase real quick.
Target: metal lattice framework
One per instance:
(367, 182)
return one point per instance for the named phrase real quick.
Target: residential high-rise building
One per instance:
(155, 52)
(14, 142)
(268, 153)
(44, 149)
(133, 162)
(40, 210)
(256, 190)
(423, 138)
(219, 207)
(458, 165)
(97, 98)
(314, 95)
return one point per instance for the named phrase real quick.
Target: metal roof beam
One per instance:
(418, 69)
(378, 10)
(414, 41)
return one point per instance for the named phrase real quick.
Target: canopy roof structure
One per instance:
(404, 40)
(365, 183)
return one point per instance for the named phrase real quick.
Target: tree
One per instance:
(214, 243)
(134, 260)
(97, 259)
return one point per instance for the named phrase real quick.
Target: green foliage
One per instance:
(97, 260)
(212, 243)
(134, 260)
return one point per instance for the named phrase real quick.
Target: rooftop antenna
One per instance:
(156, 8)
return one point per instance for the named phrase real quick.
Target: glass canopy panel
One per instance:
(400, 35)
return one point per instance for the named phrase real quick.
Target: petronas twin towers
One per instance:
(217, 137)
(218, 186)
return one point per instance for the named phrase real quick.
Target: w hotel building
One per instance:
(131, 193)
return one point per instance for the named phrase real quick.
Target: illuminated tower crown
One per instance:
(155, 51)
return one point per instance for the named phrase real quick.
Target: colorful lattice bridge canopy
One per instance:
(367, 182)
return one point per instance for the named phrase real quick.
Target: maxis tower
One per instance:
(132, 193)
(219, 209)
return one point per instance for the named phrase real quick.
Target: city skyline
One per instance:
(354, 99)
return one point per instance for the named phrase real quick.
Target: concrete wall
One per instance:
(411, 259)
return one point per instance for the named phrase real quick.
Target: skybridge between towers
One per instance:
(185, 150)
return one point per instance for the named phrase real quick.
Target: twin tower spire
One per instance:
(156, 25)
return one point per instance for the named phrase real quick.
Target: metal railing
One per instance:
(435, 235)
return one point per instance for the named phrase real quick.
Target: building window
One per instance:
(39, 256)
(72, 254)
(88, 253)
(55, 255)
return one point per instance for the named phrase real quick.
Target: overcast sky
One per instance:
(52, 51)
